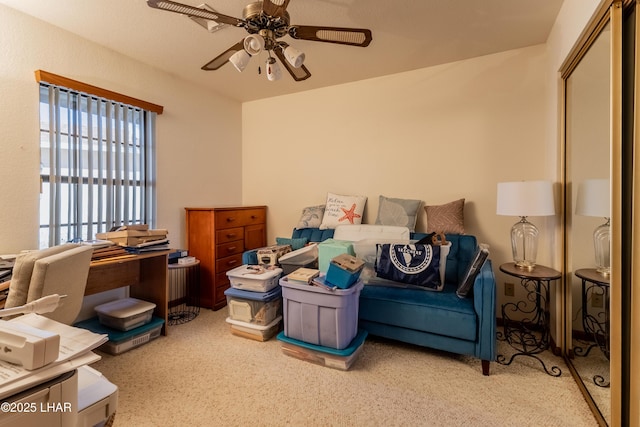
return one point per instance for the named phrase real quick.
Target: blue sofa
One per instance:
(439, 320)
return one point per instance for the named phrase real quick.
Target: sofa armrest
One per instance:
(484, 301)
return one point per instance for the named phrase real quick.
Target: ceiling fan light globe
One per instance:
(273, 70)
(254, 44)
(240, 60)
(294, 56)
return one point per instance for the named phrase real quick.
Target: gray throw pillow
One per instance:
(398, 212)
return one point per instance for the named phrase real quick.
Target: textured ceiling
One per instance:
(407, 35)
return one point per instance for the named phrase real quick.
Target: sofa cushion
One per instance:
(312, 234)
(441, 313)
(295, 244)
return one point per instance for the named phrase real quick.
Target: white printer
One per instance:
(44, 377)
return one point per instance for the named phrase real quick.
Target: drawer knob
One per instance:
(231, 249)
(253, 217)
(232, 262)
(230, 219)
(231, 235)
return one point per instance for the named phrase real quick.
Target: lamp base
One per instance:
(525, 265)
(524, 244)
(602, 246)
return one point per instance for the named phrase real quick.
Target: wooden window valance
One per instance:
(54, 79)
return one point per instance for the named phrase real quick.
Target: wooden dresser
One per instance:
(218, 237)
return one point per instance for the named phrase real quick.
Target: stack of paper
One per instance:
(76, 347)
(303, 275)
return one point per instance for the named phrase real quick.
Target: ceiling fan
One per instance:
(267, 21)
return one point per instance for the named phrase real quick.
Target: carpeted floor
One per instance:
(202, 375)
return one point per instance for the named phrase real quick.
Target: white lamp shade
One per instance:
(294, 56)
(593, 198)
(253, 44)
(525, 198)
(240, 60)
(273, 70)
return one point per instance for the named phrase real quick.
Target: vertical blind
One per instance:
(97, 165)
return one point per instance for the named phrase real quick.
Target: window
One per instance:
(97, 166)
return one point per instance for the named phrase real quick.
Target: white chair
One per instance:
(63, 270)
(59, 270)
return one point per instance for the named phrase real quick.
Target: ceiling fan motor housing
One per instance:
(257, 21)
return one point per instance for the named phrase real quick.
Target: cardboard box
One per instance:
(271, 254)
(133, 237)
(330, 249)
(344, 270)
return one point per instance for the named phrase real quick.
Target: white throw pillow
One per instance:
(341, 209)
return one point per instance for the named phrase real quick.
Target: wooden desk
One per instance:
(146, 274)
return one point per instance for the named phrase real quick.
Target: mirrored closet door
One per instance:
(591, 102)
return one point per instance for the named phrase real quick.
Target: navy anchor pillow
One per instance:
(414, 264)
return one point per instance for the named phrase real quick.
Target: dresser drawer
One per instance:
(225, 264)
(239, 218)
(229, 235)
(230, 248)
(220, 297)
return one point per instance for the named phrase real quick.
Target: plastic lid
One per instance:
(256, 296)
(353, 345)
(125, 307)
(356, 287)
(254, 272)
(310, 250)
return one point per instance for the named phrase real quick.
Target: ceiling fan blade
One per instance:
(349, 36)
(274, 7)
(195, 12)
(223, 58)
(298, 74)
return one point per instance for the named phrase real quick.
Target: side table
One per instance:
(595, 326)
(184, 292)
(531, 335)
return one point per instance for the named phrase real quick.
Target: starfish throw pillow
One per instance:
(342, 210)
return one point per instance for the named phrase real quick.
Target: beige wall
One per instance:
(435, 134)
(199, 139)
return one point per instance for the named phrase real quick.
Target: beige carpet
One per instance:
(202, 375)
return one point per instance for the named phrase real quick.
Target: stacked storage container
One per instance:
(254, 301)
(321, 320)
(129, 322)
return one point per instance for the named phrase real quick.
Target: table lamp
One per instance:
(524, 199)
(593, 199)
